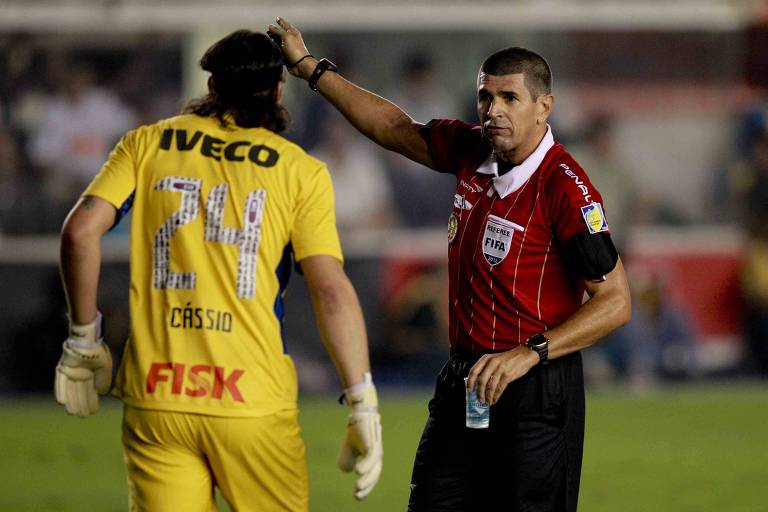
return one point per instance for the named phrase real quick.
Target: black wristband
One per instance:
(298, 61)
(322, 66)
(539, 344)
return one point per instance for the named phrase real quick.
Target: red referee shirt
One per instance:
(507, 278)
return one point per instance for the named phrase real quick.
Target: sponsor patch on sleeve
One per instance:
(594, 217)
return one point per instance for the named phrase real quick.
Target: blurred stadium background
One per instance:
(663, 102)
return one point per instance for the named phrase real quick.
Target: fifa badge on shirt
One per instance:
(594, 217)
(453, 227)
(498, 238)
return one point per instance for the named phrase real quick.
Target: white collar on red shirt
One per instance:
(519, 174)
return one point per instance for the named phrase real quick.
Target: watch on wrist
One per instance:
(539, 344)
(323, 65)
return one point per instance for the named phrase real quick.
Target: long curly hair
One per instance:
(246, 68)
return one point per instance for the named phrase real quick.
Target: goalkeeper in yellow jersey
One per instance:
(223, 207)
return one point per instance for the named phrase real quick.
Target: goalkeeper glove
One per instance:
(84, 369)
(362, 449)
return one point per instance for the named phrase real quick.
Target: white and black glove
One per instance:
(362, 449)
(85, 369)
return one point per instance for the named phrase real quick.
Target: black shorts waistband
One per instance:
(461, 360)
(463, 354)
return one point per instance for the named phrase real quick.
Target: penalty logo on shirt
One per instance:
(594, 217)
(498, 238)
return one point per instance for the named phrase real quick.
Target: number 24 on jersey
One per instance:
(246, 239)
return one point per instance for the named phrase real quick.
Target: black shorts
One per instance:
(529, 459)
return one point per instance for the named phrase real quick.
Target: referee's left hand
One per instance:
(493, 372)
(292, 46)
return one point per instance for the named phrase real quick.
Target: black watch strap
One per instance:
(323, 65)
(539, 344)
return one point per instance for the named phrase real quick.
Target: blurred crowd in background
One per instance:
(64, 102)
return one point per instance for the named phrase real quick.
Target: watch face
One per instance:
(536, 340)
(539, 344)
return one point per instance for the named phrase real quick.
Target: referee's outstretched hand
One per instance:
(291, 44)
(491, 375)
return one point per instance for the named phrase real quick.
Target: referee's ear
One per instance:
(544, 104)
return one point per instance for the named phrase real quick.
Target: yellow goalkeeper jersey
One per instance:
(218, 215)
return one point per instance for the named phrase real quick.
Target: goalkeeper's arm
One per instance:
(85, 366)
(342, 328)
(80, 255)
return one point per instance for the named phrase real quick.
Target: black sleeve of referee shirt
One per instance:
(590, 256)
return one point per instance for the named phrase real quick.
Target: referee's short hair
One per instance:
(514, 60)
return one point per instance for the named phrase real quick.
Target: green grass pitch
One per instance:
(687, 449)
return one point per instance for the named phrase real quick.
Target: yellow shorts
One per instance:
(174, 460)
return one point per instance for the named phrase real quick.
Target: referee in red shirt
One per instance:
(527, 237)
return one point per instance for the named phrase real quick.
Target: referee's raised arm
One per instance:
(375, 117)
